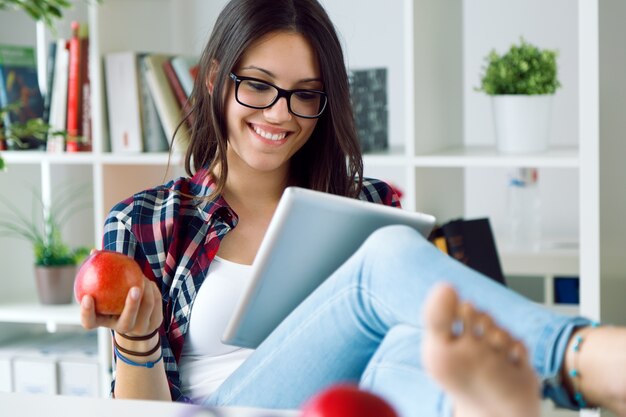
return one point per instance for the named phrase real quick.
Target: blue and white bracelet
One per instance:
(574, 373)
(149, 364)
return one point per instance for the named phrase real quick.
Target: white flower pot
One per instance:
(522, 122)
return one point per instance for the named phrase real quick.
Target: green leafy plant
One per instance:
(45, 10)
(43, 228)
(23, 134)
(524, 69)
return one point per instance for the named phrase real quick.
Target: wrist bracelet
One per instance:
(574, 372)
(134, 352)
(136, 338)
(149, 364)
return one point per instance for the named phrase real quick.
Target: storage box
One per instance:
(77, 365)
(35, 374)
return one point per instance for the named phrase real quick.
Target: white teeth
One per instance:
(267, 135)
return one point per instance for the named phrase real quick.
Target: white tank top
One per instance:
(205, 361)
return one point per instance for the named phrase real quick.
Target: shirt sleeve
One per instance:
(119, 237)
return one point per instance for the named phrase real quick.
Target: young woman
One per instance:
(271, 109)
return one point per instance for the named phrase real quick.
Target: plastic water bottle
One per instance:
(524, 209)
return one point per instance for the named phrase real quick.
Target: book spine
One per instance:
(183, 66)
(167, 106)
(74, 90)
(123, 103)
(58, 98)
(52, 51)
(178, 90)
(153, 135)
(174, 82)
(85, 130)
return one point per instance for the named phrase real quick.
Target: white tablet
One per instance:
(310, 235)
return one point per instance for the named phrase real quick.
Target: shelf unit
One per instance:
(438, 155)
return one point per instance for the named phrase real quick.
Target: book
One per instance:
(19, 86)
(52, 51)
(175, 84)
(185, 67)
(122, 88)
(85, 128)
(154, 139)
(58, 97)
(169, 110)
(178, 90)
(74, 89)
(368, 91)
(470, 242)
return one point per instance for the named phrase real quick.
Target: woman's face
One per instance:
(263, 140)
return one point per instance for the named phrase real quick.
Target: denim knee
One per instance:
(395, 239)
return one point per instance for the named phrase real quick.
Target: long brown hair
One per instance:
(331, 160)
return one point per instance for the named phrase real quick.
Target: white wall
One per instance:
(535, 21)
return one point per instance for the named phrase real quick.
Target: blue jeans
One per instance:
(364, 324)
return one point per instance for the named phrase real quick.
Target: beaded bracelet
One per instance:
(149, 364)
(574, 373)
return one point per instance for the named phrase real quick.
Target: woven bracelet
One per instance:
(574, 373)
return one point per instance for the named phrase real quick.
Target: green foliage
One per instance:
(43, 228)
(33, 129)
(45, 10)
(524, 69)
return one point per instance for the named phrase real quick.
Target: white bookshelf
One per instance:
(442, 154)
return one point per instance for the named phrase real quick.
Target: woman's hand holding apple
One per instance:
(114, 293)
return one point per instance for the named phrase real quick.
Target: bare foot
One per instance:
(481, 367)
(601, 366)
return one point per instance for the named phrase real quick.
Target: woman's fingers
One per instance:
(156, 318)
(87, 313)
(146, 309)
(89, 319)
(141, 315)
(127, 320)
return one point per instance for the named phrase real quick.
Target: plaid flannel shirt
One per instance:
(173, 231)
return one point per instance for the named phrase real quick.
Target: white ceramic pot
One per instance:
(522, 122)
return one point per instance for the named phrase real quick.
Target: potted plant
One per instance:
(55, 261)
(521, 83)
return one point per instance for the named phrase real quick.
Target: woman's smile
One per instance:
(270, 135)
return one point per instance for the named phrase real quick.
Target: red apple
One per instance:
(344, 400)
(107, 276)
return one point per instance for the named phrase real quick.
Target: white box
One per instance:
(6, 374)
(78, 368)
(78, 377)
(35, 374)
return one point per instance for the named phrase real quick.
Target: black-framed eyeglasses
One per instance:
(259, 94)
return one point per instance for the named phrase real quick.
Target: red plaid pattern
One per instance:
(173, 231)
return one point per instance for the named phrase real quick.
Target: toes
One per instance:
(441, 311)
(518, 353)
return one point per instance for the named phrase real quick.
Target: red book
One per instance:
(74, 88)
(177, 87)
(194, 71)
(174, 82)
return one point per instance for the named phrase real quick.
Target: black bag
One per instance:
(472, 243)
